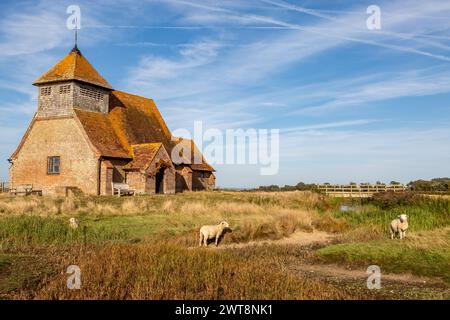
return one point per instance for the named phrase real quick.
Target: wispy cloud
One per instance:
(267, 55)
(330, 125)
(387, 86)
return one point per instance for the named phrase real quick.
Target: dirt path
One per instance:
(393, 286)
(300, 238)
(331, 270)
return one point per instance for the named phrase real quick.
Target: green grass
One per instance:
(411, 255)
(424, 214)
(22, 271)
(29, 231)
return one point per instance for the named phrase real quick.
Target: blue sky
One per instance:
(351, 104)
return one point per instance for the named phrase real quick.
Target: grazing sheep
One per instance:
(74, 223)
(213, 232)
(399, 226)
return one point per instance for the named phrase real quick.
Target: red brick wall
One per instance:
(169, 180)
(110, 172)
(203, 180)
(183, 179)
(136, 181)
(56, 137)
(169, 173)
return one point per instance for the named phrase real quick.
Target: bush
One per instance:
(386, 200)
(328, 223)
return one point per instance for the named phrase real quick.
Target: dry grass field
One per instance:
(284, 245)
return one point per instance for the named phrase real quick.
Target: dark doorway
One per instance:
(159, 180)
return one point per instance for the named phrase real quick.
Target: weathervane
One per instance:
(73, 21)
(76, 35)
(76, 38)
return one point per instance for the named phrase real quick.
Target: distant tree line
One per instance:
(437, 184)
(433, 185)
(299, 186)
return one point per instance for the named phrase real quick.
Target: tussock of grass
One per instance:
(329, 223)
(280, 225)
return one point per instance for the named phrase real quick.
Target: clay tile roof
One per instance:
(134, 128)
(73, 66)
(137, 120)
(143, 155)
(195, 154)
(101, 134)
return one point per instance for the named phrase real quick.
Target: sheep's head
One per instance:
(225, 224)
(403, 217)
(73, 223)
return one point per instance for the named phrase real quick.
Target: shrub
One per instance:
(328, 223)
(386, 200)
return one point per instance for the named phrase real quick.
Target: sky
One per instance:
(350, 103)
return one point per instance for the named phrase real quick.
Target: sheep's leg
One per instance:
(392, 235)
(201, 239)
(218, 237)
(205, 240)
(400, 233)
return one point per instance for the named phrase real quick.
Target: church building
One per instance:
(88, 136)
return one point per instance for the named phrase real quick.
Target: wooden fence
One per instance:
(358, 190)
(4, 187)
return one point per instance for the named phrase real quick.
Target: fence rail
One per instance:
(358, 191)
(4, 187)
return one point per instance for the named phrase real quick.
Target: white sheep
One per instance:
(213, 232)
(399, 226)
(74, 223)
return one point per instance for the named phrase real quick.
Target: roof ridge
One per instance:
(145, 144)
(77, 52)
(133, 94)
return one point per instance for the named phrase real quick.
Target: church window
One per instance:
(46, 91)
(64, 89)
(53, 165)
(91, 93)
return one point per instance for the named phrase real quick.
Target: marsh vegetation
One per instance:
(146, 247)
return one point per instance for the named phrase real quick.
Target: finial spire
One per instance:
(75, 48)
(76, 38)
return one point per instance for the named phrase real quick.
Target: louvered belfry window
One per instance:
(64, 89)
(91, 93)
(46, 91)
(53, 165)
